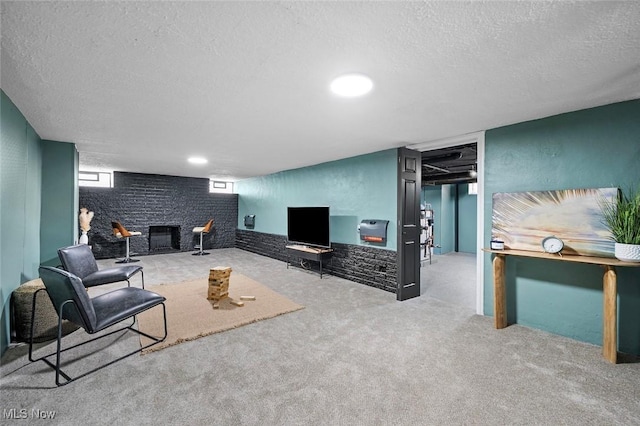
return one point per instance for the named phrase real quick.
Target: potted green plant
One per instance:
(622, 217)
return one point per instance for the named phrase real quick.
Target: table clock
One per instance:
(552, 244)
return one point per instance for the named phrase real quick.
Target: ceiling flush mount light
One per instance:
(351, 85)
(197, 160)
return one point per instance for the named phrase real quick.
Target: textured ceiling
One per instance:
(141, 86)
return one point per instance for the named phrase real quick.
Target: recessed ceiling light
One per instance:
(351, 85)
(197, 160)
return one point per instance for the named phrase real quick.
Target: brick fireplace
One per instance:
(170, 206)
(164, 239)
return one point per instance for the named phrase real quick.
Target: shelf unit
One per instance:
(426, 233)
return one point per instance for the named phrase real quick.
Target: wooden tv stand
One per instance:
(609, 288)
(310, 253)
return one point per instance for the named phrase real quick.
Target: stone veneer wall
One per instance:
(140, 200)
(363, 264)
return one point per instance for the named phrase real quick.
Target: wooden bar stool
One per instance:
(202, 230)
(121, 232)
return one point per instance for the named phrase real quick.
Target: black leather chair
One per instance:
(80, 262)
(71, 302)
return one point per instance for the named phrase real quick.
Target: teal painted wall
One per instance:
(20, 182)
(447, 219)
(598, 147)
(59, 223)
(357, 188)
(442, 199)
(467, 220)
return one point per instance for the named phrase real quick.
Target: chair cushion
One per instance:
(131, 234)
(203, 229)
(78, 260)
(120, 304)
(111, 275)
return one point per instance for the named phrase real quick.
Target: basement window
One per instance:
(221, 186)
(95, 179)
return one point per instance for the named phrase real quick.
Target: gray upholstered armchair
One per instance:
(72, 302)
(80, 262)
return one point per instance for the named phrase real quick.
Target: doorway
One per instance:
(452, 192)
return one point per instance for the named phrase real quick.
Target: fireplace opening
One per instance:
(164, 238)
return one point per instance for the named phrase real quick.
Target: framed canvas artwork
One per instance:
(523, 219)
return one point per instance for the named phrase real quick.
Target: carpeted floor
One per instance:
(353, 356)
(450, 278)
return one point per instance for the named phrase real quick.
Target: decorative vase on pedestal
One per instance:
(84, 239)
(627, 252)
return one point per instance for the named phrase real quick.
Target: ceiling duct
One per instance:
(450, 176)
(449, 181)
(432, 167)
(441, 158)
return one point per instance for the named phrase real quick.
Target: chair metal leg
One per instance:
(127, 258)
(141, 278)
(31, 326)
(59, 350)
(201, 252)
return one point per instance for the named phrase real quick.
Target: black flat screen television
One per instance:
(308, 226)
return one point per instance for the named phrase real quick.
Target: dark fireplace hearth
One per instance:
(164, 238)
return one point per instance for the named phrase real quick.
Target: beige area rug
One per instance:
(191, 316)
